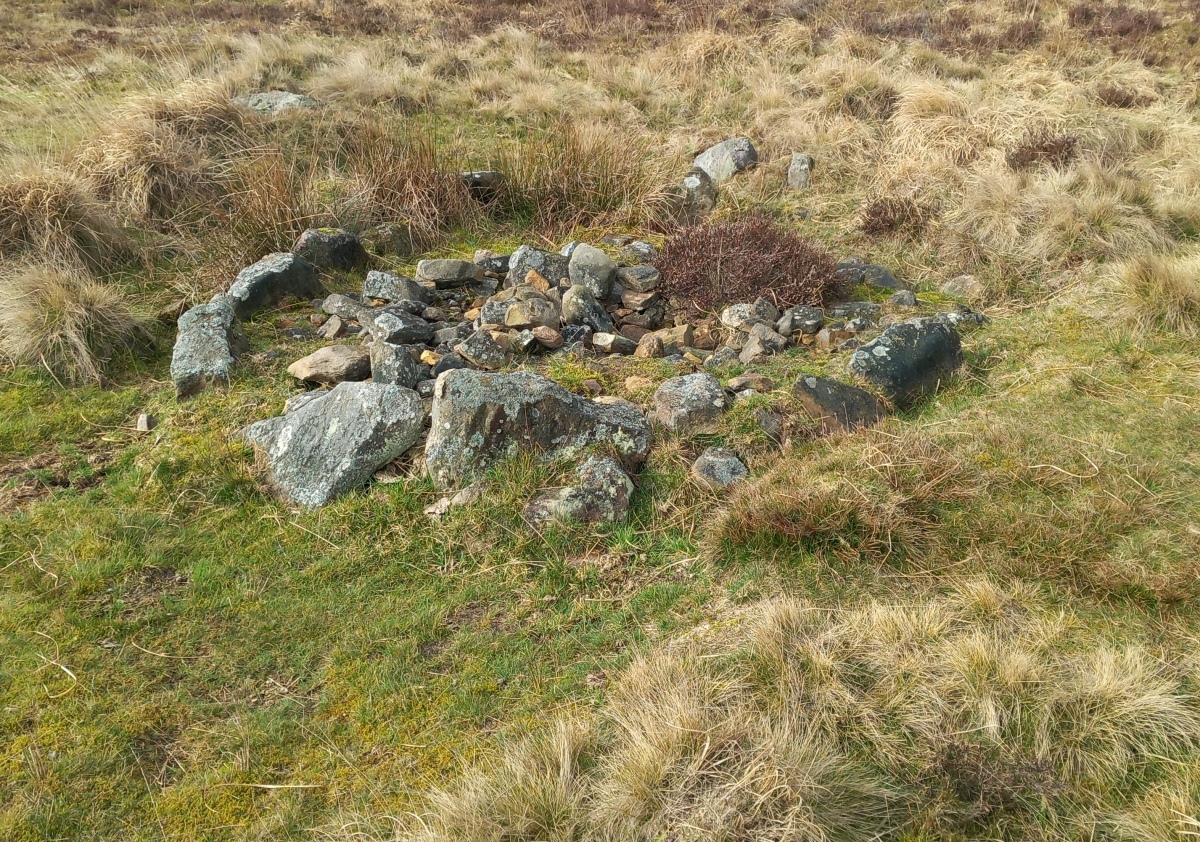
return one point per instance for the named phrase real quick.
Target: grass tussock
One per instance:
(958, 716)
(1160, 291)
(64, 320)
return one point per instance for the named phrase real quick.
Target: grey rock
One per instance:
(532, 313)
(591, 268)
(389, 287)
(492, 262)
(854, 310)
(750, 380)
(331, 446)
(296, 401)
(836, 405)
(448, 362)
(331, 248)
(761, 342)
(569, 249)
(523, 342)
(548, 338)
(909, 360)
(694, 197)
(727, 159)
(145, 422)
(718, 468)
(207, 346)
(397, 326)
(601, 496)
(804, 320)
(962, 317)
(347, 309)
(880, 276)
(580, 307)
(639, 251)
(689, 402)
(334, 328)
(447, 274)
(721, 358)
(553, 267)
(964, 286)
(744, 316)
(482, 351)
(800, 171)
(425, 388)
(272, 103)
(480, 419)
(613, 343)
(333, 364)
(642, 278)
(650, 347)
(903, 298)
(394, 365)
(272, 279)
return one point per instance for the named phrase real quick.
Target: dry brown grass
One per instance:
(60, 318)
(1160, 291)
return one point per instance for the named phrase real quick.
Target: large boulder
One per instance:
(727, 159)
(591, 268)
(332, 248)
(334, 444)
(909, 360)
(480, 419)
(333, 364)
(207, 346)
(272, 279)
(601, 496)
(836, 405)
(689, 402)
(389, 287)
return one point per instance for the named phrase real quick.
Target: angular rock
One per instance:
(479, 419)
(481, 350)
(836, 405)
(601, 496)
(909, 360)
(447, 274)
(613, 343)
(903, 298)
(296, 401)
(393, 365)
(650, 347)
(333, 328)
(331, 248)
(800, 170)
(270, 280)
(389, 287)
(591, 268)
(727, 159)
(347, 309)
(641, 278)
(676, 337)
(580, 307)
(803, 320)
(335, 444)
(721, 358)
(492, 261)
(694, 197)
(880, 276)
(639, 301)
(718, 468)
(761, 342)
(272, 103)
(689, 402)
(553, 267)
(397, 326)
(750, 380)
(535, 312)
(745, 316)
(207, 346)
(333, 364)
(548, 337)
(449, 362)
(964, 286)
(854, 310)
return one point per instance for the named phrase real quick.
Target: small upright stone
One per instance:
(580, 307)
(393, 365)
(591, 268)
(909, 360)
(146, 422)
(207, 346)
(650, 347)
(799, 171)
(331, 248)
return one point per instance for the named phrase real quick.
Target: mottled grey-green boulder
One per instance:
(718, 468)
(744, 316)
(207, 345)
(390, 287)
(333, 364)
(333, 445)
(397, 326)
(641, 278)
(727, 159)
(480, 419)
(272, 103)
(553, 267)
(332, 248)
(272, 279)
(691, 199)
(799, 170)
(393, 365)
(689, 402)
(591, 268)
(909, 360)
(580, 307)
(600, 496)
(447, 274)
(482, 351)
(836, 405)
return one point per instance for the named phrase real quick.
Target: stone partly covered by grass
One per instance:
(964, 613)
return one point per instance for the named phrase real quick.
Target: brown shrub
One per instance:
(894, 215)
(1115, 96)
(1043, 147)
(717, 263)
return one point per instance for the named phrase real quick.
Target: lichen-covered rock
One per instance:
(727, 159)
(447, 274)
(718, 468)
(397, 326)
(601, 496)
(745, 316)
(591, 268)
(335, 444)
(333, 364)
(480, 419)
(909, 360)
(273, 103)
(272, 279)
(641, 278)
(804, 320)
(332, 248)
(836, 405)
(800, 170)
(482, 351)
(207, 346)
(692, 198)
(553, 267)
(689, 402)
(761, 342)
(393, 365)
(389, 287)
(580, 307)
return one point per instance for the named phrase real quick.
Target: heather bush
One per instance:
(1043, 147)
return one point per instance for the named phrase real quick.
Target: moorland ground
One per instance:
(974, 621)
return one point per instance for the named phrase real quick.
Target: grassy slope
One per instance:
(174, 639)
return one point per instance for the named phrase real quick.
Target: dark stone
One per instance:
(909, 360)
(836, 405)
(272, 279)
